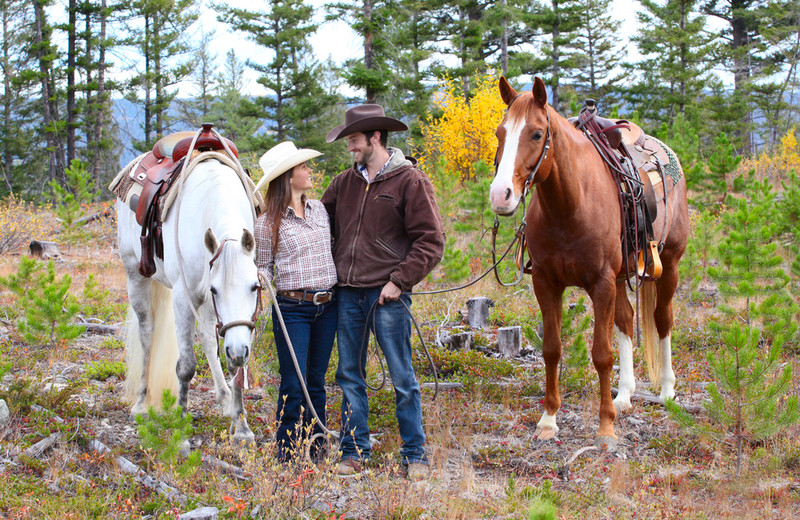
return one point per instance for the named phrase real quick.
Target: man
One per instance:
(388, 236)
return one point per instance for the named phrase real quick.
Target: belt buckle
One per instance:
(320, 294)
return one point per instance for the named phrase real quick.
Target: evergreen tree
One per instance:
(166, 433)
(162, 41)
(674, 44)
(21, 167)
(195, 109)
(750, 267)
(598, 52)
(560, 19)
(758, 38)
(49, 310)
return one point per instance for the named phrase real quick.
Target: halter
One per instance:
(222, 329)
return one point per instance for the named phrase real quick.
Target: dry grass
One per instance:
(485, 461)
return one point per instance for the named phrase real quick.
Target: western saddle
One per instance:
(150, 179)
(631, 155)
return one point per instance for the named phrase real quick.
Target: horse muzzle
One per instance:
(503, 201)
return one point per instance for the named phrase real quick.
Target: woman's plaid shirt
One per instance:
(303, 260)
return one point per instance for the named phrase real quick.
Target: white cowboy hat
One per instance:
(281, 158)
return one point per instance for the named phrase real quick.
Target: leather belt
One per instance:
(315, 297)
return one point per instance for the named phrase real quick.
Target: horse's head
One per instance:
(523, 141)
(234, 290)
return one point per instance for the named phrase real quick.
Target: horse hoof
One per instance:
(246, 439)
(622, 404)
(667, 394)
(606, 443)
(544, 433)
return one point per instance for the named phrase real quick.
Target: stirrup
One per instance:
(653, 268)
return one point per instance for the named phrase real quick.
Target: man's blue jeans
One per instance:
(311, 329)
(393, 332)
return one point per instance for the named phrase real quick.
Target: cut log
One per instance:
(44, 250)
(461, 341)
(43, 445)
(509, 341)
(94, 216)
(478, 312)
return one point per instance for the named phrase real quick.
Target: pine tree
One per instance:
(598, 52)
(69, 200)
(748, 400)
(750, 266)
(673, 41)
(166, 433)
(49, 310)
(163, 44)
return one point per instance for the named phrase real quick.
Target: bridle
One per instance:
(221, 328)
(519, 235)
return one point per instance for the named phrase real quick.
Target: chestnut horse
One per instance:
(574, 239)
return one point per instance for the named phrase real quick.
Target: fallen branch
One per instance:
(652, 399)
(225, 467)
(89, 218)
(43, 445)
(130, 468)
(99, 328)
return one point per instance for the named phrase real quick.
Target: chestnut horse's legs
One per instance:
(623, 325)
(550, 299)
(665, 289)
(603, 295)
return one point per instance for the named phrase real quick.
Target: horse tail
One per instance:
(161, 373)
(652, 346)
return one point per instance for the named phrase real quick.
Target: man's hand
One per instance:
(389, 293)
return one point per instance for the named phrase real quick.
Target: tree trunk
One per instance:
(49, 107)
(101, 92)
(71, 81)
(504, 40)
(369, 52)
(556, 66)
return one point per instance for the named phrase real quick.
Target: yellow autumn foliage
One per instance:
(465, 132)
(778, 163)
(22, 221)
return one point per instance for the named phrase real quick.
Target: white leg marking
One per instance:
(667, 375)
(627, 381)
(546, 428)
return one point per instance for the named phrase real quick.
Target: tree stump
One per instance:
(44, 250)
(478, 312)
(509, 341)
(461, 341)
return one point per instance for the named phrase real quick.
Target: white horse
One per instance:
(208, 268)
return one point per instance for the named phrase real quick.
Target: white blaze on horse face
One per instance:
(502, 194)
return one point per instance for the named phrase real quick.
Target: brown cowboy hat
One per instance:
(365, 118)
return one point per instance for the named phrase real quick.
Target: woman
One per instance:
(293, 251)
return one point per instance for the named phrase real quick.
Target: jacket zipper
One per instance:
(358, 232)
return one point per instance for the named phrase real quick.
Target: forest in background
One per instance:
(712, 66)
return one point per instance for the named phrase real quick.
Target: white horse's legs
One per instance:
(139, 291)
(230, 400)
(187, 361)
(627, 381)
(667, 376)
(546, 428)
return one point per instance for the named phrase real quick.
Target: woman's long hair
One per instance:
(279, 195)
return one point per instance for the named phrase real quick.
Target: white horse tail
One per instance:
(161, 373)
(652, 345)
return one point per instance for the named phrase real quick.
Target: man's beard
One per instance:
(366, 155)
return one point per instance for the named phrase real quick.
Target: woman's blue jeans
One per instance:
(311, 329)
(393, 332)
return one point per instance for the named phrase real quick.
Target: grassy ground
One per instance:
(486, 462)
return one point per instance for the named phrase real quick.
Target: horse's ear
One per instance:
(211, 241)
(539, 91)
(248, 241)
(507, 92)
